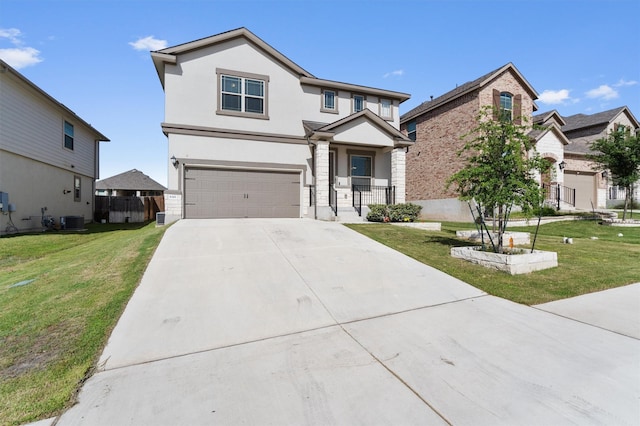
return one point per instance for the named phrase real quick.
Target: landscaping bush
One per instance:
(545, 211)
(406, 212)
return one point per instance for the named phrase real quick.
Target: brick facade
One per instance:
(433, 159)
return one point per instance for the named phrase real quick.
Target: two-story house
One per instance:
(438, 125)
(49, 158)
(592, 188)
(253, 134)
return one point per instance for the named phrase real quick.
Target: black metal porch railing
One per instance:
(559, 193)
(369, 194)
(333, 199)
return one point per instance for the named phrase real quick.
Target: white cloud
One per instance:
(604, 91)
(396, 73)
(18, 56)
(12, 34)
(623, 82)
(554, 96)
(148, 43)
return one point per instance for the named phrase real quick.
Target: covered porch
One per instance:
(358, 160)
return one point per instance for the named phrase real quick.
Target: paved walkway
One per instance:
(306, 322)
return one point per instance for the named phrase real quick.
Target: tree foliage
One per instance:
(499, 171)
(619, 154)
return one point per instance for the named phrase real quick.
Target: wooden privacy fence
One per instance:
(127, 209)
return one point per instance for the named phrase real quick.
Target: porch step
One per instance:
(350, 215)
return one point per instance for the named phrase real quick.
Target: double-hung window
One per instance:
(358, 103)
(506, 106)
(68, 135)
(242, 94)
(411, 130)
(329, 101)
(385, 109)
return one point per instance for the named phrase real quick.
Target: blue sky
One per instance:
(581, 56)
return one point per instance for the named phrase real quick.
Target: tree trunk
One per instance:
(627, 195)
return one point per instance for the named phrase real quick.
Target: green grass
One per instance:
(586, 266)
(53, 330)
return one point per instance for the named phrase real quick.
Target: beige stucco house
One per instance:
(253, 134)
(49, 157)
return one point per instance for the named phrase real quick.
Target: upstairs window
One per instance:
(358, 103)
(242, 94)
(68, 135)
(411, 130)
(506, 106)
(385, 109)
(329, 101)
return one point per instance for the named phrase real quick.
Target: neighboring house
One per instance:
(592, 189)
(48, 157)
(131, 183)
(437, 126)
(551, 143)
(252, 134)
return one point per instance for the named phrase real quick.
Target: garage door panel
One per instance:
(584, 184)
(220, 193)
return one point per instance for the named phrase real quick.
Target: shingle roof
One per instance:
(580, 121)
(461, 90)
(133, 180)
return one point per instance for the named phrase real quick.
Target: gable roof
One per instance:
(543, 117)
(467, 87)
(133, 180)
(537, 133)
(316, 130)
(169, 56)
(582, 121)
(4, 67)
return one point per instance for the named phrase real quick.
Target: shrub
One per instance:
(406, 212)
(377, 212)
(545, 211)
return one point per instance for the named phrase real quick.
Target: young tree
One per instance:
(619, 153)
(499, 170)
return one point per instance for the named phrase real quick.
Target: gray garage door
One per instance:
(225, 193)
(585, 187)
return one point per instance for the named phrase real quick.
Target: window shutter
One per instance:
(517, 109)
(496, 104)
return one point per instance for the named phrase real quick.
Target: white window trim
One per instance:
(335, 101)
(243, 75)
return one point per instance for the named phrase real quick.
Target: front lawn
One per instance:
(61, 294)
(585, 266)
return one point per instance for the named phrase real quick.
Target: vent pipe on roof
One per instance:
(431, 97)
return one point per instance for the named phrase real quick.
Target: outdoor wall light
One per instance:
(562, 165)
(605, 174)
(174, 161)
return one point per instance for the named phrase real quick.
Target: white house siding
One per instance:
(36, 170)
(33, 126)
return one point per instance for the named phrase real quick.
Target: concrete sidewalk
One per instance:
(307, 322)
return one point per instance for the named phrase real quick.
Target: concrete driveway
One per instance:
(290, 322)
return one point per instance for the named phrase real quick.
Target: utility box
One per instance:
(4, 201)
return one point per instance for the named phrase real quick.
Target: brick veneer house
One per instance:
(592, 189)
(437, 126)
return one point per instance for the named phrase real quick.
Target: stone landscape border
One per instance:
(522, 263)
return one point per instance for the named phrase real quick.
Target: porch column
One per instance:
(323, 210)
(398, 173)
